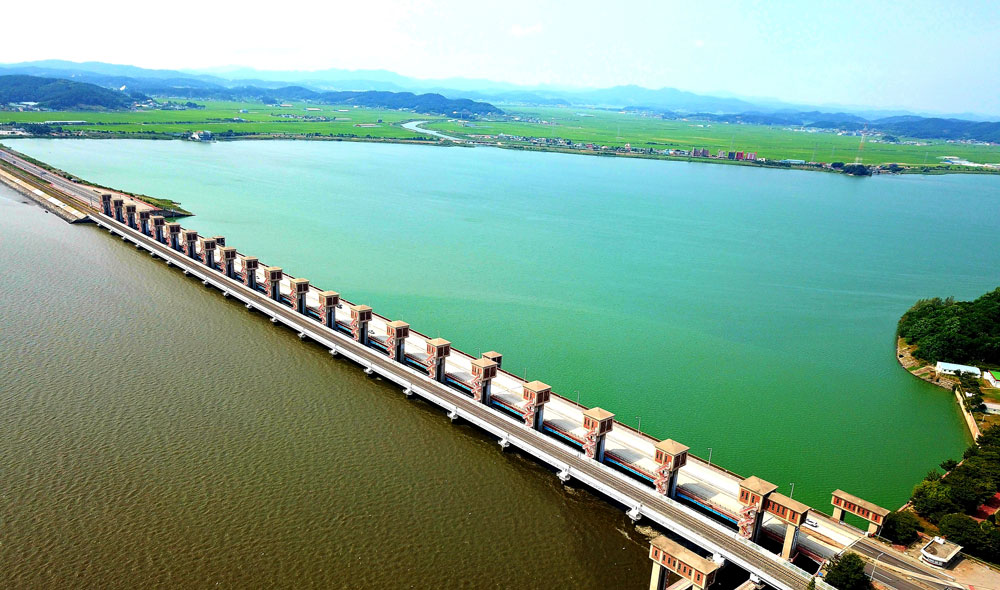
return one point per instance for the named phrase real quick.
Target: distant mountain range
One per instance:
(155, 81)
(617, 96)
(71, 92)
(429, 103)
(901, 125)
(464, 97)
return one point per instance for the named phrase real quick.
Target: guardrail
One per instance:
(642, 500)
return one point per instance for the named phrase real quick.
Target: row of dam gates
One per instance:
(712, 516)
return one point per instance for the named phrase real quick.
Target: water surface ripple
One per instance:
(156, 435)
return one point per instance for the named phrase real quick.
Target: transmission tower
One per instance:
(861, 146)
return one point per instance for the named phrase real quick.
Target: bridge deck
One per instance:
(706, 485)
(642, 498)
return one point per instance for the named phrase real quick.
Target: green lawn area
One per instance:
(614, 129)
(991, 395)
(220, 117)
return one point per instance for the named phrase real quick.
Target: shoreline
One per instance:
(814, 167)
(925, 372)
(919, 369)
(461, 142)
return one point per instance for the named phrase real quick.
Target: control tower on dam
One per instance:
(712, 517)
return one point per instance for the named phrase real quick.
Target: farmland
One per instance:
(614, 129)
(221, 117)
(597, 126)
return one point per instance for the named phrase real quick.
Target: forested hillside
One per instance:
(421, 103)
(51, 93)
(934, 128)
(966, 332)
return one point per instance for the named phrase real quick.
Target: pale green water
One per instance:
(751, 311)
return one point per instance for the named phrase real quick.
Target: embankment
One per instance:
(922, 370)
(43, 198)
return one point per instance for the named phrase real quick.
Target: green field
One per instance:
(219, 118)
(602, 127)
(615, 129)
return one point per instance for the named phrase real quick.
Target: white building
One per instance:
(992, 377)
(953, 369)
(939, 552)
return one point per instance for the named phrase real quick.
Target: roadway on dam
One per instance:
(666, 512)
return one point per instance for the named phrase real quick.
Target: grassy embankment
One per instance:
(615, 129)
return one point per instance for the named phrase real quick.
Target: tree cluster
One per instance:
(947, 501)
(965, 332)
(39, 128)
(973, 394)
(857, 170)
(901, 527)
(847, 572)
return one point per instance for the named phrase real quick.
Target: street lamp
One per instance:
(577, 392)
(639, 427)
(709, 455)
(875, 565)
(791, 493)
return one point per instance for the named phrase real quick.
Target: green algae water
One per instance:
(746, 311)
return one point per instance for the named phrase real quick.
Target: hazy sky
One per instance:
(938, 56)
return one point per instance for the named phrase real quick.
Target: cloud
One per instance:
(519, 30)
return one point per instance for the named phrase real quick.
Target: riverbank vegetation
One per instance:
(965, 332)
(960, 504)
